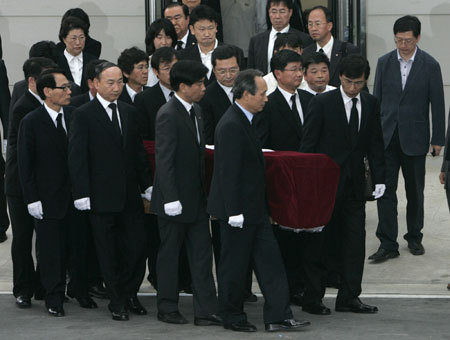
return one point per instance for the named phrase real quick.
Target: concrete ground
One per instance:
(410, 292)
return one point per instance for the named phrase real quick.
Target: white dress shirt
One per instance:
(227, 90)
(76, 66)
(184, 40)
(54, 114)
(272, 38)
(348, 105)
(272, 83)
(36, 96)
(327, 48)
(166, 92)
(405, 67)
(188, 107)
(108, 110)
(152, 78)
(206, 58)
(288, 96)
(132, 93)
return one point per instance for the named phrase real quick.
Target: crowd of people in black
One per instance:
(77, 173)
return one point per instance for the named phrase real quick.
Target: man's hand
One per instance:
(173, 208)
(437, 149)
(83, 203)
(442, 177)
(35, 210)
(236, 221)
(379, 191)
(147, 194)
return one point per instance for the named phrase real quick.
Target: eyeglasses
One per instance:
(65, 87)
(315, 23)
(231, 71)
(349, 82)
(400, 41)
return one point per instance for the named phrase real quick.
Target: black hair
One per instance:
(280, 60)
(80, 14)
(187, 72)
(163, 54)
(245, 81)
(289, 4)
(202, 12)
(291, 40)
(224, 52)
(325, 10)
(315, 58)
(177, 4)
(130, 57)
(102, 67)
(44, 48)
(71, 23)
(155, 28)
(33, 67)
(354, 66)
(47, 79)
(89, 68)
(408, 23)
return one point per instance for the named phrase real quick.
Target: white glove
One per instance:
(236, 221)
(147, 194)
(35, 210)
(379, 191)
(83, 203)
(173, 208)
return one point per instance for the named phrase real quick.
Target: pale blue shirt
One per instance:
(247, 113)
(405, 67)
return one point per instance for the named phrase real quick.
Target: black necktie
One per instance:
(322, 51)
(179, 45)
(192, 115)
(60, 127)
(171, 94)
(353, 123)
(115, 119)
(295, 111)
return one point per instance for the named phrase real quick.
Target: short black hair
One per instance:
(354, 66)
(162, 55)
(315, 58)
(80, 14)
(291, 40)
(325, 10)
(33, 67)
(177, 4)
(289, 4)
(130, 57)
(187, 72)
(47, 79)
(89, 68)
(245, 81)
(224, 52)
(102, 67)
(408, 23)
(44, 48)
(71, 23)
(202, 12)
(280, 60)
(161, 24)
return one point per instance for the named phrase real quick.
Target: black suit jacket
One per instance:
(110, 169)
(92, 46)
(257, 48)
(238, 183)
(5, 98)
(24, 105)
(148, 103)
(19, 89)
(42, 162)
(191, 40)
(339, 50)
(125, 96)
(327, 131)
(276, 126)
(62, 63)
(180, 169)
(214, 104)
(192, 53)
(81, 99)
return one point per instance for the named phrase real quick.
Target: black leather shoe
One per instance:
(212, 320)
(383, 255)
(119, 315)
(286, 325)
(98, 291)
(23, 301)
(356, 306)
(240, 326)
(297, 299)
(173, 317)
(135, 306)
(3, 237)
(416, 248)
(250, 297)
(317, 308)
(56, 311)
(86, 302)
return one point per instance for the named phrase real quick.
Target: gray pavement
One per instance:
(409, 290)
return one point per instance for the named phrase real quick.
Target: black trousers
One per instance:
(121, 244)
(348, 224)
(4, 220)
(26, 278)
(413, 170)
(240, 246)
(197, 239)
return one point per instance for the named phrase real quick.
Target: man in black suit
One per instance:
(134, 64)
(5, 98)
(203, 24)
(260, 48)
(179, 197)
(238, 200)
(320, 23)
(178, 14)
(44, 177)
(89, 76)
(109, 169)
(345, 125)
(26, 280)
